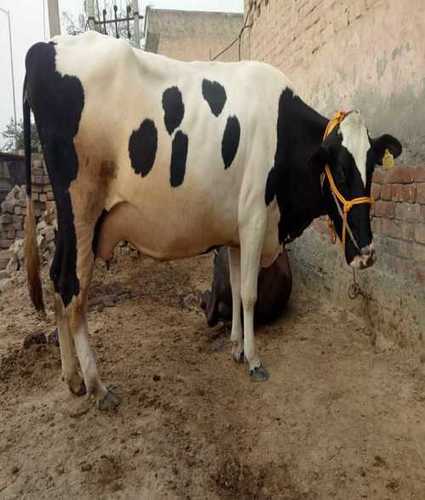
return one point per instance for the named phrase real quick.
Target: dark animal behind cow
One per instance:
(274, 290)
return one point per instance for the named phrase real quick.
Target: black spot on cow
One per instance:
(230, 143)
(178, 159)
(271, 185)
(142, 147)
(57, 119)
(172, 102)
(215, 95)
(97, 228)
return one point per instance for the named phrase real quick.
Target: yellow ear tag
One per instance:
(388, 160)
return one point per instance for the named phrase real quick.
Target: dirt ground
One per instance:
(336, 419)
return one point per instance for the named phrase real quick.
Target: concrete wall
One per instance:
(191, 35)
(368, 54)
(340, 54)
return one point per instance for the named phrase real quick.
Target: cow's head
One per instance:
(351, 155)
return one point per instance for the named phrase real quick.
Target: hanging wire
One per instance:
(238, 38)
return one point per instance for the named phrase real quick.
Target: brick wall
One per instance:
(342, 54)
(367, 54)
(398, 222)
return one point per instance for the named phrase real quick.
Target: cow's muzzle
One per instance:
(366, 258)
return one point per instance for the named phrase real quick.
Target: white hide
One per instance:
(356, 140)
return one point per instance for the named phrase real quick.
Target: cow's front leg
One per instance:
(252, 238)
(235, 281)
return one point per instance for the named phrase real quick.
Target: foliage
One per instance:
(14, 137)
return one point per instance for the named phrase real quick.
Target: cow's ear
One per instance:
(320, 159)
(381, 144)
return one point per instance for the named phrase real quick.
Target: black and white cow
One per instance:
(178, 158)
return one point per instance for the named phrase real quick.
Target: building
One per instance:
(192, 35)
(367, 55)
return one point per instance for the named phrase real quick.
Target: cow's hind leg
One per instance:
(105, 398)
(235, 281)
(70, 373)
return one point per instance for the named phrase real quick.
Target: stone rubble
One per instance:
(12, 218)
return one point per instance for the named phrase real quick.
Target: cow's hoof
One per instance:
(237, 354)
(259, 374)
(110, 401)
(77, 386)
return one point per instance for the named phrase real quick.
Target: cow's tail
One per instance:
(32, 259)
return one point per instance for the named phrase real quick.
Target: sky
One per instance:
(27, 27)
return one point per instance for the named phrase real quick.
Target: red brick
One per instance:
(400, 175)
(399, 265)
(404, 192)
(396, 247)
(401, 230)
(419, 174)
(408, 193)
(35, 171)
(376, 225)
(396, 191)
(408, 211)
(384, 209)
(420, 193)
(418, 252)
(4, 243)
(5, 219)
(379, 176)
(420, 276)
(386, 192)
(376, 191)
(420, 233)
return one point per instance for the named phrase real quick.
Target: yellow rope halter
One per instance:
(347, 205)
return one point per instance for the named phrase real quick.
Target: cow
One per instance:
(178, 158)
(273, 290)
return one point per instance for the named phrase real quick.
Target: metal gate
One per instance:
(132, 16)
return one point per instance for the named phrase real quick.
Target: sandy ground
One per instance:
(336, 419)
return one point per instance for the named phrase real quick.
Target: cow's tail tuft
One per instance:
(32, 259)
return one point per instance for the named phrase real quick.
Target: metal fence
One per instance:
(121, 25)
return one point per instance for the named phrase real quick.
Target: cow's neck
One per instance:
(300, 132)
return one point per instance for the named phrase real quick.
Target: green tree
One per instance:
(13, 136)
